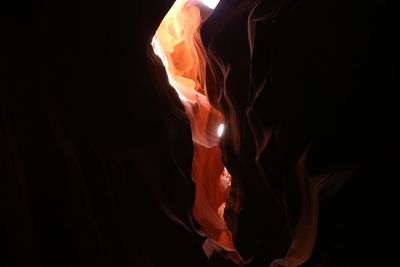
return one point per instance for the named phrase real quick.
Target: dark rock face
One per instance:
(87, 168)
(91, 135)
(309, 83)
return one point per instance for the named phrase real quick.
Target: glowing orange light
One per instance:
(178, 44)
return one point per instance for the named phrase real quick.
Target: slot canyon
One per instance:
(199, 133)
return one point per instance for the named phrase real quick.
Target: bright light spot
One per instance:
(210, 3)
(220, 129)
